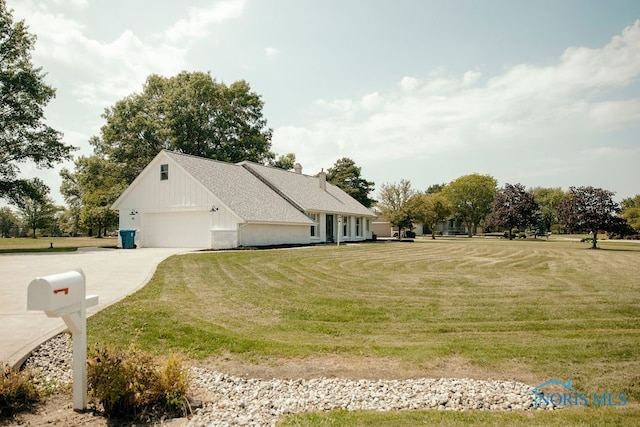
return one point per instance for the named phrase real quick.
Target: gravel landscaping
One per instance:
(231, 400)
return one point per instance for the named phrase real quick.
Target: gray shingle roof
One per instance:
(305, 191)
(240, 190)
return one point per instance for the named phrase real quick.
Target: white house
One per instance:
(186, 201)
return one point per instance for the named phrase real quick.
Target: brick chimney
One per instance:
(322, 177)
(297, 168)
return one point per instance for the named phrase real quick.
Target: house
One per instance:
(180, 200)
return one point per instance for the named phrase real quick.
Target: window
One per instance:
(314, 229)
(345, 226)
(164, 172)
(358, 231)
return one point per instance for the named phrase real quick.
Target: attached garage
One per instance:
(176, 230)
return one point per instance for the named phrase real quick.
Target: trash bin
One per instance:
(128, 238)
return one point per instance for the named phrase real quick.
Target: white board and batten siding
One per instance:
(178, 211)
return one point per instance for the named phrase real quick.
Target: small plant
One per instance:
(522, 235)
(17, 391)
(132, 384)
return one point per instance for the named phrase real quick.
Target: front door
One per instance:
(329, 230)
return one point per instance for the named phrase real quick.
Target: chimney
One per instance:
(322, 177)
(297, 168)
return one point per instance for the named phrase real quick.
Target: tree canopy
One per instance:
(512, 206)
(346, 175)
(590, 209)
(190, 113)
(548, 201)
(470, 197)
(631, 211)
(24, 136)
(394, 204)
(429, 209)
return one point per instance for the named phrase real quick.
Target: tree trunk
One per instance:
(595, 239)
(34, 232)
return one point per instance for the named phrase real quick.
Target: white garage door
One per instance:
(176, 230)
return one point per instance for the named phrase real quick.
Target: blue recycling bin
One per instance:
(128, 238)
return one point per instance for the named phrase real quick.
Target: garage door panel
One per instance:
(176, 230)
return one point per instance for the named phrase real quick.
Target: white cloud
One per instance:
(527, 105)
(271, 51)
(199, 21)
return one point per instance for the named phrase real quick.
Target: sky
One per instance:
(542, 93)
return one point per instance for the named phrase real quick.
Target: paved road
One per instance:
(111, 274)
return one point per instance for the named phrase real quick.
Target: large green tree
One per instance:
(393, 202)
(470, 197)
(91, 190)
(590, 209)
(24, 136)
(347, 176)
(190, 113)
(631, 211)
(548, 200)
(512, 206)
(37, 212)
(429, 209)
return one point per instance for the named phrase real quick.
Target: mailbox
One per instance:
(57, 294)
(63, 295)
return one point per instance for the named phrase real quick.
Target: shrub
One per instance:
(132, 384)
(522, 235)
(410, 234)
(17, 391)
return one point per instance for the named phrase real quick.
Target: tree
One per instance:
(71, 216)
(284, 161)
(630, 202)
(190, 113)
(430, 209)
(346, 175)
(394, 204)
(99, 183)
(590, 209)
(631, 211)
(512, 207)
(470, 197)
(548, 200)
(435, 188)
(37, 212)
(8, 222)
(23, 96)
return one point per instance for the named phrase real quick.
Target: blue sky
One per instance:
(543, 93)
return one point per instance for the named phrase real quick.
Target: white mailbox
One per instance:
(58, 294)
(64, 295)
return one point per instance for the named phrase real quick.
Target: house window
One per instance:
(164, 172)
(345, 226)
(358, 230)
(314, 228)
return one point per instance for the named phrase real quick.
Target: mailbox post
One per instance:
(64, 295)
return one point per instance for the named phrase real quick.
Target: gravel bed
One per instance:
(230, 400)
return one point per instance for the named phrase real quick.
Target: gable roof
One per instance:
(239, 190)
(257, 193)
(305, 191)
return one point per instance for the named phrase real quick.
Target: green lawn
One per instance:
(526, 310)
(60, 244)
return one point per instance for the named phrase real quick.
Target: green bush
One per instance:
(133, 384)
(410, 234)
(522, 235)
(17, 391)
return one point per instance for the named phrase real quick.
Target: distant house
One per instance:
(186, 201)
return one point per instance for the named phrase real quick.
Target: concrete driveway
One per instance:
(111, 274)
